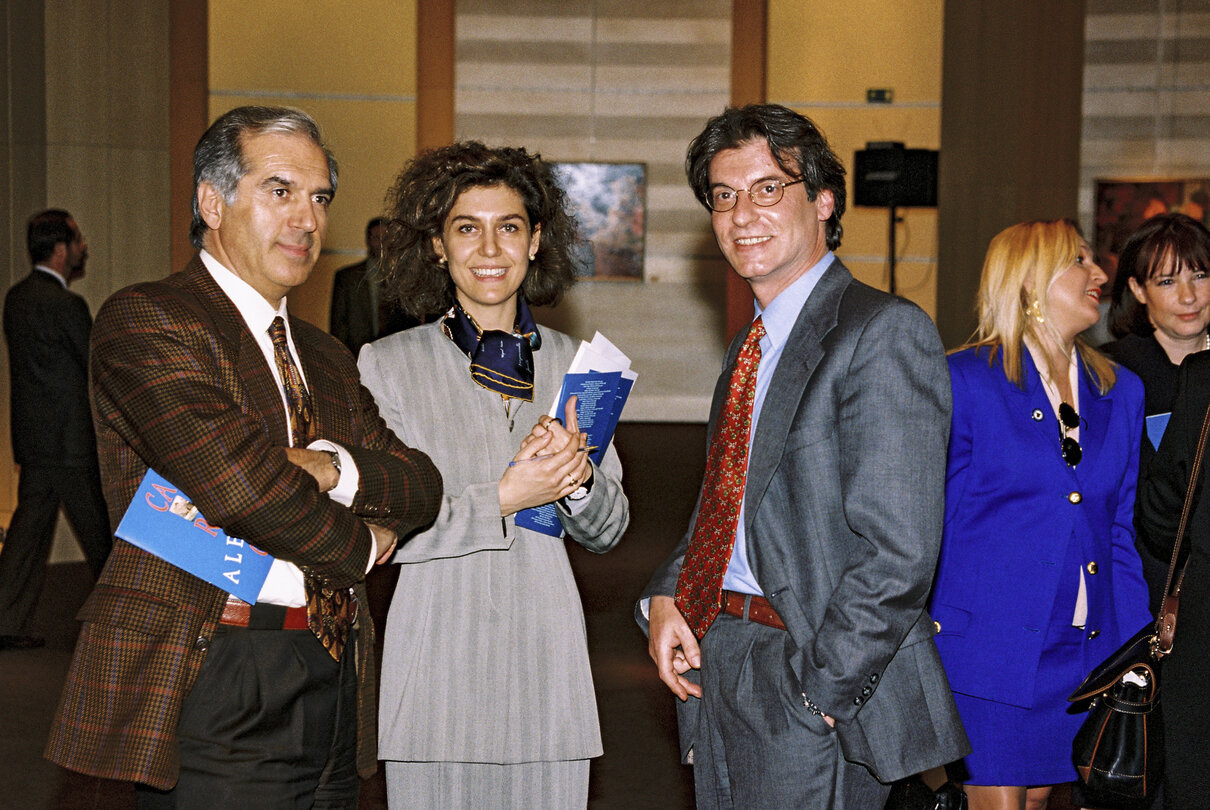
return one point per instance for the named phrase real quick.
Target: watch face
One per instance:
(580, 494)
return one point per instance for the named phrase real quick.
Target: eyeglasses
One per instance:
(1069, 448)
(763, 193)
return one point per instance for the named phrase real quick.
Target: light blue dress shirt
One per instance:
(779, 319)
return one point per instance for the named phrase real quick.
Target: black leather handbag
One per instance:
(913, 794)
(1118, 751)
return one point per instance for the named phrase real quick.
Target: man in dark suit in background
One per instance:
(47, 329)
(798, 594)
(261, 421)
(359, 314)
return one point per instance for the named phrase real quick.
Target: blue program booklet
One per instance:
(600, 397)
(163, 521)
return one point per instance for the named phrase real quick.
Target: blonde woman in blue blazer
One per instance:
(1038, 579)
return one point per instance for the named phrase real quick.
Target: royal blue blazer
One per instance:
(1013, 509)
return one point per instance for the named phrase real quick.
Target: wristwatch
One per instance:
(335, 457)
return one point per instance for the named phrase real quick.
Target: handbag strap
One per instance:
(1186, 509)
(1165, 622)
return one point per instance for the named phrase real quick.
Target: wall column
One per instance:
(1010, 134)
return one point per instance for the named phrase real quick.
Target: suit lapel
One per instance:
(251, 368)
(1094, 411)
(799, 359)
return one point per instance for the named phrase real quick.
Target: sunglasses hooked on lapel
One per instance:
(1069, 448)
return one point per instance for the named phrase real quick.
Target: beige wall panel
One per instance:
(707, 34)
(139, 239)
(866, 232)
(1121, 158)
(835, 51)
(644, 78)
(319, 46)
(137, 75)
(1118, 76)
(851, 128)
(527, 102)
(77, 74)
(504, 28)
(523, 77)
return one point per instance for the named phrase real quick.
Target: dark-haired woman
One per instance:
(487, 699)
(1161, 309)
(1038, 579)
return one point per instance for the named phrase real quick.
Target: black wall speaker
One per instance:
(886, 174)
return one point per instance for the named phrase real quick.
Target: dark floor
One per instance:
(640, 769)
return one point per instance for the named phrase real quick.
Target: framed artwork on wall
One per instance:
(610, 204)
(1123, 205)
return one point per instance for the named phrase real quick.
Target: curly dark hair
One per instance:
(796, 144)
(1177, 236)
(423, 196)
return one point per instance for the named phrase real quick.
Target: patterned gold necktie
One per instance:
(699, 588)
(330, 612)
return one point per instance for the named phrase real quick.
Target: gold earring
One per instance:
(532, 255)
(1035, 311)
(441, 261)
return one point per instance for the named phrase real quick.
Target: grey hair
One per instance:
(218, 158)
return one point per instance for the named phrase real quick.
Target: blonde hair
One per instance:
(1022, 262)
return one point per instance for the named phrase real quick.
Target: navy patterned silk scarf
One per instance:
(500, 361)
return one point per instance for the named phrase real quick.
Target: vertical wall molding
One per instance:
(187, 112)
(434, 73)
(749, 45)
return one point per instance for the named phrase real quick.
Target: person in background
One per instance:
(359, 311)
(1161, 309)
(47, 328)
(1161, 303)
(1039, 580)
(487, 697)
(201, 699)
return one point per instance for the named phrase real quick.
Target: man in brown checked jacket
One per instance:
(199, 698)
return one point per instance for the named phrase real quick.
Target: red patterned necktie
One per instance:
(330, 611)
(699, 589)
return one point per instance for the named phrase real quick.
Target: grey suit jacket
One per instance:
(843, 515)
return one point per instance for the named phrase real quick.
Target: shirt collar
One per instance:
(782, 313)
(52, 273)
(252, 306)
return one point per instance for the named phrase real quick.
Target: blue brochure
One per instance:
(600, 397)
(162, 520)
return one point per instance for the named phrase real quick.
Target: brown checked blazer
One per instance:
(180, 385)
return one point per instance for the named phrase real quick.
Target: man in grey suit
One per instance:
(47, 328)
(790, 620)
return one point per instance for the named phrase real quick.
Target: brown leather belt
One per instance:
(238, 613)
(759, 609)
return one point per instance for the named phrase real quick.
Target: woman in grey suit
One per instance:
(487, 699)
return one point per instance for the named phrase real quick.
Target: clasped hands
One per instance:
(551, 464)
